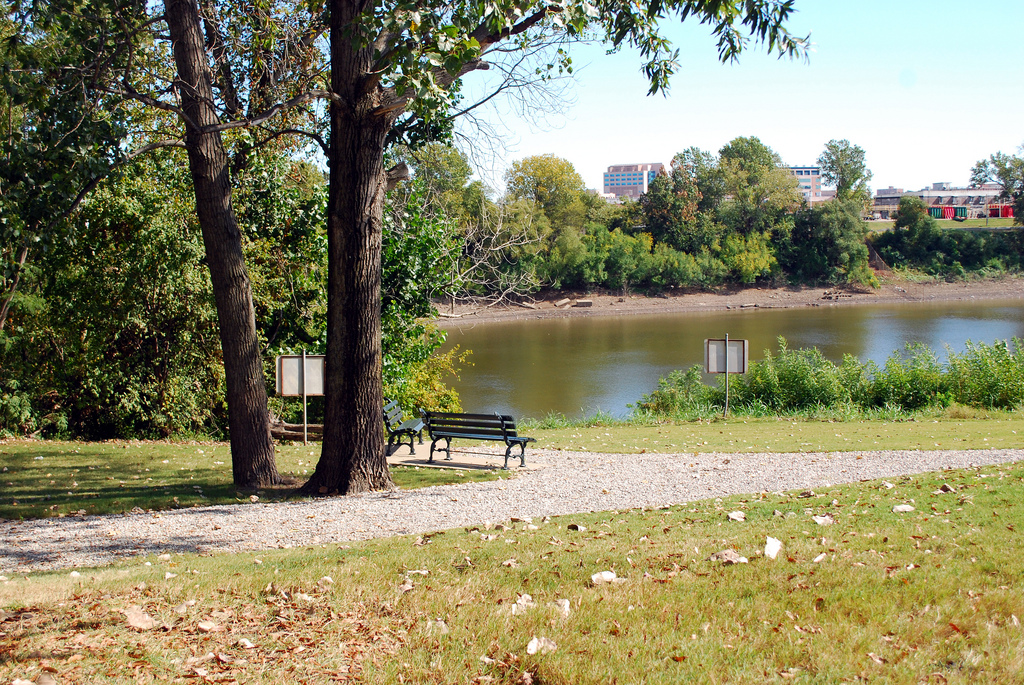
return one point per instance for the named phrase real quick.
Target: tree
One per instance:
(702, 167)
(62, 131)
(252, 449)
(225, 58)
(842, 165)
(827, 244)
(553, 183)
(393, 62)
(762, 192)
(1008, 172)
(669, 209)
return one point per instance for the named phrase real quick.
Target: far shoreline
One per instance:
(601, 303)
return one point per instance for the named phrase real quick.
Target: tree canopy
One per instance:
(843, 166)
(1007, 171)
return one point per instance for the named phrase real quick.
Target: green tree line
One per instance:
(706, 220)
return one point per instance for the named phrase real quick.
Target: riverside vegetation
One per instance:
(114, 334)
(464, 605)
(804, 382)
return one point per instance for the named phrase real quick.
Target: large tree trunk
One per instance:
(252, 449)
(353, 457)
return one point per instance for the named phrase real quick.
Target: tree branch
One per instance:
(259, 119)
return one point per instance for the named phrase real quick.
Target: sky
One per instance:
(926, 87)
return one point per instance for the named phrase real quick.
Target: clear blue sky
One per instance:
(926, 87)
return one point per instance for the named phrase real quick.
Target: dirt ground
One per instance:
(543, 306)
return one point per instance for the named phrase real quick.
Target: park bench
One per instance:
(398, 426)
(498, 427)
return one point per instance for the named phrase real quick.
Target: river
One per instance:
(577, 366)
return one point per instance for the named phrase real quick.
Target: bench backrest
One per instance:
(498, 426)
(393, 415)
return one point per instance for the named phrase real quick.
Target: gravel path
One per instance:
(573, 482)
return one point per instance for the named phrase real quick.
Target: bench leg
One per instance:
(391, 448)
(412, 450)
(447, 449)
(522, 454)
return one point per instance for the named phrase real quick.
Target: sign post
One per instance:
(722, 355)
(301, 376)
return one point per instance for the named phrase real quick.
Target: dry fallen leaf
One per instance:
(209, 627)
(877, 659)
(540, 645)
(139, 619)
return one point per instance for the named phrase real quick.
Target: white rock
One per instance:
(164, 557)
(169, 575)
(437, 627)
(902, 509)
(75, 574)
(772, 547)
(887, 485)
(563, 607)
(540, 645)
(820, 558)
(825, 520)
(603, 577)
(728, 557)
(737, 516)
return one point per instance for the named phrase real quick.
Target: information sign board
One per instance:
(716, 361)
(290, 378)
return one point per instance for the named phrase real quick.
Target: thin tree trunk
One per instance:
(22, 256)
(353, 457)
(252, 449)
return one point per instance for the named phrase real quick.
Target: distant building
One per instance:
(630, 180)
(809, 178)
(946, 202)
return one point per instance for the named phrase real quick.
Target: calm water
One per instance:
(577, 366)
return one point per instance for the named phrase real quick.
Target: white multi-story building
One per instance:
(630, 180)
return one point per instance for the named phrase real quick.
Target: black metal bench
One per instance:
(398, 426)
(497, 427)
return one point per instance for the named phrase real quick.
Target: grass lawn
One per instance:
(862, 594)
(1003, 430)
(48, 478)
(884, 225)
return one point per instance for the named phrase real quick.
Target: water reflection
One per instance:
(578, 366)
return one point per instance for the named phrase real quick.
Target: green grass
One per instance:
(49, 478)
(884, 225)
(791, 435)
(931, 596)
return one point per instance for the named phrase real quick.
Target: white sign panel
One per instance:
(290, 376)
(715, 359)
